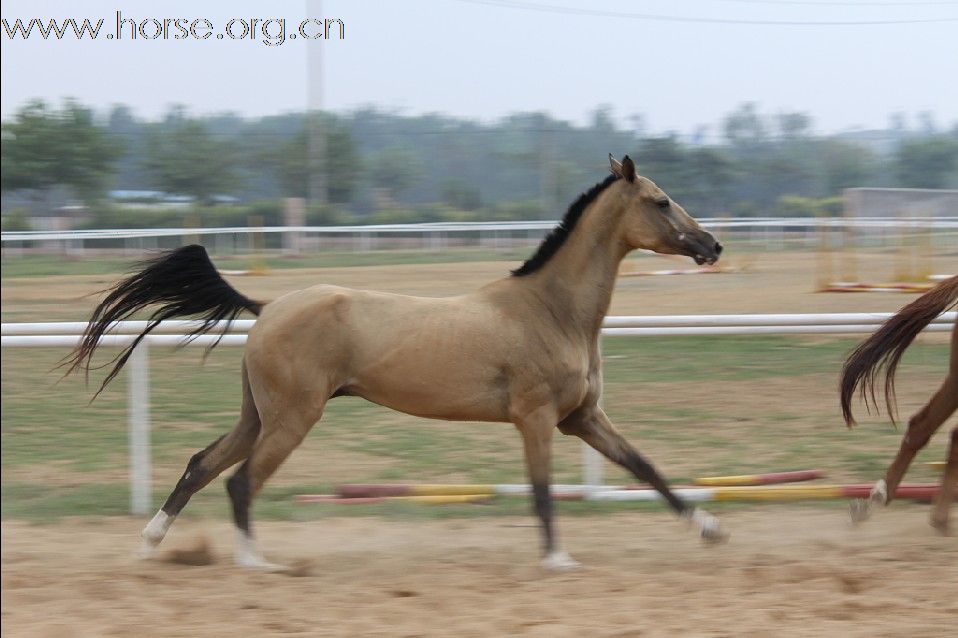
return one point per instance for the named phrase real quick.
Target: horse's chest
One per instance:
(577, 382)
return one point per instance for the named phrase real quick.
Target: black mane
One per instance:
(560, 233)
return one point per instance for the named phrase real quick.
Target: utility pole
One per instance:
(317, 188)
(547, 176)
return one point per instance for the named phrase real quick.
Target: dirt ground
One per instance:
(782, 282)
(787, 571)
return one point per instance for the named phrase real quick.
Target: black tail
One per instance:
(883, 350)
(183, 282)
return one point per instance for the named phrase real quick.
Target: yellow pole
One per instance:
(192, 221)
(824, 265)
(257, 264)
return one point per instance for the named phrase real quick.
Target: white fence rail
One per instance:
(172, 333)
(928, 223)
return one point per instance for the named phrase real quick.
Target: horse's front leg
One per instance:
(536, 430)
(949, 487)
(593, 426)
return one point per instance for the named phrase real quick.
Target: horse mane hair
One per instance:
(554, 240)
(882, 351)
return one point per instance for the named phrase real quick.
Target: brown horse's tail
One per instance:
(183, 282)
(883, 350)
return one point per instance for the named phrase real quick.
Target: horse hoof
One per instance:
(941, 525)
(147, 549)
(559, 561)
(257, 563)
(715, 535)
(148, 545)
(709, 529)
(860, 510)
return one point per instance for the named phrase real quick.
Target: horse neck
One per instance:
(578, 281)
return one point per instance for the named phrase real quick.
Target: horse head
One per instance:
(654, 221)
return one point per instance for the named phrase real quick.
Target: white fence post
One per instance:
(591, 458)
(141, 484)
(591, 468)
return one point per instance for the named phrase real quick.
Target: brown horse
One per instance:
(883, 351)
(523, 349)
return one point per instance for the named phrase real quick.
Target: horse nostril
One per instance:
(718, 248)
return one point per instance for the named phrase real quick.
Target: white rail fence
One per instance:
(172, 333)
(930, 223)
(771, 231)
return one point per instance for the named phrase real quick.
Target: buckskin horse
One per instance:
(882, 352)
(523, 349)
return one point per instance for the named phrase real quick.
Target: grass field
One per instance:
(54, 265)
(743, 412)
(695, 406)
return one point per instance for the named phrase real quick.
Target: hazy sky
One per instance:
(487, 58)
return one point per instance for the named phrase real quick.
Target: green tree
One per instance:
(663, 159)
(928, 163)
(395, 169)
(291, 163)
(43, 148)
(845, 165)
(460, 195)
(744, 127)
(711, 176)
(794, 125)
(183, 158)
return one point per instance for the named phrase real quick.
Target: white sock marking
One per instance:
(248, 556)
(708, 525)
(559, 561)
(156, 529)
(879, 493)
(154, 532)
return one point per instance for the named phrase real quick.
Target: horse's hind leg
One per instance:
(921, 427)
(282, 432)
(949, 486)
(203, 467)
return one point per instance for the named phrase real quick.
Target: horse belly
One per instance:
(463, 394)
(435, 376)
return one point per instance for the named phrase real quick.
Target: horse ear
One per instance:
(615, 166)
(628, 169)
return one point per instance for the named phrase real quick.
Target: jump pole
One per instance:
(445, 499)
(380, 490)
(759, 479)
(739, 493)
(781, 493)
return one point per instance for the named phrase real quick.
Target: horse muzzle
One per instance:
(701, 247)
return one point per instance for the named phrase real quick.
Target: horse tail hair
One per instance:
(183, 282)
(882, 351)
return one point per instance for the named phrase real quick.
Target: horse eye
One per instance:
(663, 204)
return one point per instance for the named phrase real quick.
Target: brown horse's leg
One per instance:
(921, 427)
(536, 430)
(593, 426)
(280, 436)
(949, 486)
(203, 467)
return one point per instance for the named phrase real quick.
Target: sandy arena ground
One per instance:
(788, 571)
